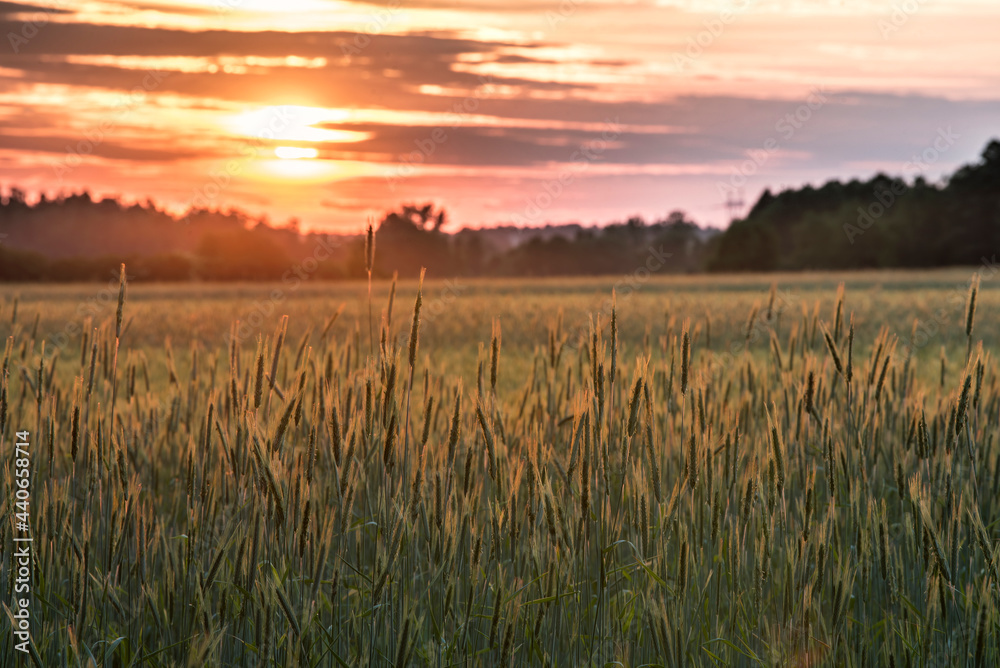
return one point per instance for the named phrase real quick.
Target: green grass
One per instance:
(562, 517)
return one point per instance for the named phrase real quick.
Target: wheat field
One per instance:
(738, 471)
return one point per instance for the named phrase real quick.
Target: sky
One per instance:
(503, 112)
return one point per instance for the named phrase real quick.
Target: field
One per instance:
(727, 470)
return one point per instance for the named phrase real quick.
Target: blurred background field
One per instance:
(457, 314)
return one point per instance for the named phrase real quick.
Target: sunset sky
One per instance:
(513, 112)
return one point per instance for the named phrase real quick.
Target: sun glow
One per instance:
(295, 172)
(293, 123)
(295, 152)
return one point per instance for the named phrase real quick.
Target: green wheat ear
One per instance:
(495, 354)
(415, 324)
(370, 246)
(685, 360)
(970, 313)
(119, 313)
(832, 347)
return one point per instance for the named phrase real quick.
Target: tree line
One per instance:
(879, 223)
(77, 238)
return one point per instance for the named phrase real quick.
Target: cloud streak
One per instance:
(552, 85)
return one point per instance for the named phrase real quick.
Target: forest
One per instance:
(884, 222)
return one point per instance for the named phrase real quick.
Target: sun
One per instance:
(287, 131)
(295, 153)
(293, 123)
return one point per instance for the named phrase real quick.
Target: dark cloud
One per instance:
(178, 10)
(717, 130)
(9, 8)
(509, 59)
(91, 39)
(96, 145)
(355, 74)
(498, 146)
